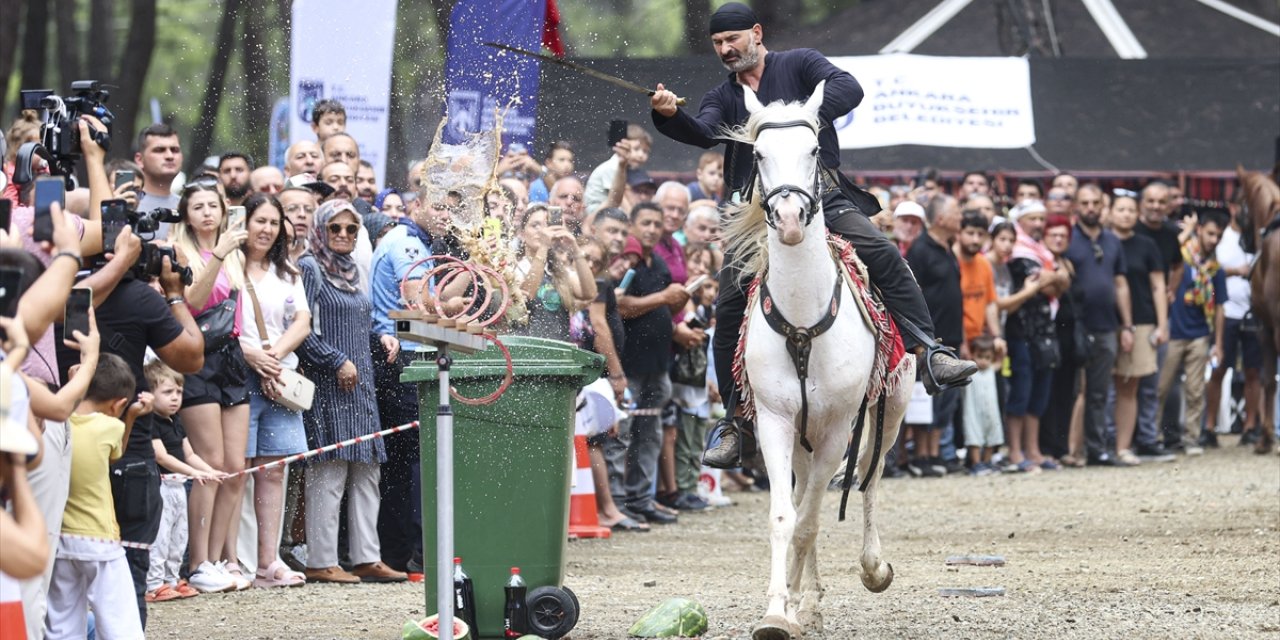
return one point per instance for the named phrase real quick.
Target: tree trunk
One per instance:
(34, 46)
(101, 39)
(8, 47)
(696, 15)
(257, 83)
(413, 46)
(440, 10)
(68, 43)
(203, 135)
(776, 13)
(135, 60)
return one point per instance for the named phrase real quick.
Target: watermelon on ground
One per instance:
(674, 618)
(429, 629)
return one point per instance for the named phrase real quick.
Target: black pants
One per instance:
(135, 486)
(885, 265)
(400, 518)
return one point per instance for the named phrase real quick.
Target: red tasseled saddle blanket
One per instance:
(886, 373)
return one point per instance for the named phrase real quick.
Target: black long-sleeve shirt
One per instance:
(789, 76)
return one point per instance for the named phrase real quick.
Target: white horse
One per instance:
(783, 232)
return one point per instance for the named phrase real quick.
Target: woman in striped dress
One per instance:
(337, 359)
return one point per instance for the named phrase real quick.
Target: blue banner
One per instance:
(479, 80)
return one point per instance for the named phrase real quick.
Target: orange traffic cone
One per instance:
(583, 522)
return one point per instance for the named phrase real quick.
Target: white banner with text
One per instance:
(978, 103)
(342, 51)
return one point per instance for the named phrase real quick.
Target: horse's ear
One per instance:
(749, 96)
(815, 100)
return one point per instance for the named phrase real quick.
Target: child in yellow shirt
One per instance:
(90, 571)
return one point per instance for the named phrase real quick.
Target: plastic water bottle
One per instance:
(464, 597)
(290, 310)
(515, 617)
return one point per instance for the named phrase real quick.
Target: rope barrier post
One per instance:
(444, 493)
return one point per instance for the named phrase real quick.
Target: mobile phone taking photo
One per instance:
(235, 217)
(49, 189)
(115, 217)
(555, 216)
(617, 132)
(76, 315)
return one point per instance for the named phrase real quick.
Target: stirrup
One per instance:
(931, 384)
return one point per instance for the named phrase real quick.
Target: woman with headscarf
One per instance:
(338, 361)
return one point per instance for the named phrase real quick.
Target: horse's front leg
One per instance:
(814, 477)
(776, 436)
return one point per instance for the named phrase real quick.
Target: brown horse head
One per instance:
(1259, 198)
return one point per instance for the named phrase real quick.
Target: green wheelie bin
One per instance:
(513, 464)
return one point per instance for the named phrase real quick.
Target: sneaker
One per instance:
(942, 468)
(954, 465)
(209, 578)
(1193, 450)
(736, 443)
(1154, 453)
(927, 469)
(1251, 436)
(1125, 458)
(690, 502)
(1207, 439)
(915, 468)
(236, 573)
(163, 593)
(982, 469)
(185, 589)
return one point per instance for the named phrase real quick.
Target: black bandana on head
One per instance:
(734, 16)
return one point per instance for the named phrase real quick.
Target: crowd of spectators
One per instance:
(1095, 316)
(139, 428)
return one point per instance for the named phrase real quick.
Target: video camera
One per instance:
(150, 262)
(60, 128)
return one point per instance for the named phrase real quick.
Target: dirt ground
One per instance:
(1189, 549)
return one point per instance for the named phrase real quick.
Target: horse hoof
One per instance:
(811, 623)
(773, 628)
(878, 588)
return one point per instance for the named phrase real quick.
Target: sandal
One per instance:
(1072, 460)
(278, 574)
(628, 524)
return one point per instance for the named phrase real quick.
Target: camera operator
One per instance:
(131, 318)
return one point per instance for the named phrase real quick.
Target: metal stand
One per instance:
(418, 327)
(444, 495)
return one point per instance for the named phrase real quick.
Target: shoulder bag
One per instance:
(218, 324)
(296, 391)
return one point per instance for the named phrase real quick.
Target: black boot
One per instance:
(943, 370)
(737, 441)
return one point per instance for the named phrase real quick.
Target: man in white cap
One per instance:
(908, 224)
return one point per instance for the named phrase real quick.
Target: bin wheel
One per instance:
(577, 606)
(553, 611)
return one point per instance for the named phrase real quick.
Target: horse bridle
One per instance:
(784, 190)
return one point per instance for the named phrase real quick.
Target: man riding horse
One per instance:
(791, 76)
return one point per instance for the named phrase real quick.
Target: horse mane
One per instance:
(745, 232)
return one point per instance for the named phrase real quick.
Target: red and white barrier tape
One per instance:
(307, 454)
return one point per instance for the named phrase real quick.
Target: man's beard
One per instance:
(1091, 221)
(747, 60)
(237, 190)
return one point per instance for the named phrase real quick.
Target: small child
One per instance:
(173, 455)
(634, 149)
(710, 178)
(90, 571)
(327, 118)
(983, 431)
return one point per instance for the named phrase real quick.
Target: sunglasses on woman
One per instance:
(350, 229)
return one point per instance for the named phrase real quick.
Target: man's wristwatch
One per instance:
(1130, 329)
(174, 301)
